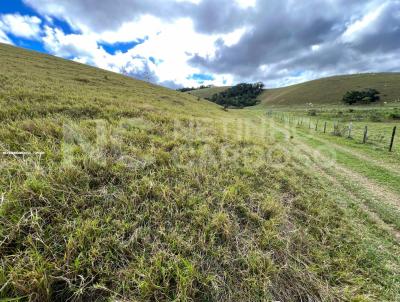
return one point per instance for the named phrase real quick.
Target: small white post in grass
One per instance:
(350, 126)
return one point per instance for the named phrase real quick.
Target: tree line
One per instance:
(186, 89)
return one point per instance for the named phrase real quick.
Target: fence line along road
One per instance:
(349, 130)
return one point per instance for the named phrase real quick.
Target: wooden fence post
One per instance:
(325, 128)
(316, 125)
(309, 124)
(392, 140)
(365, 135)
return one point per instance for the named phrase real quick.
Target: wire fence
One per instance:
(378, 135)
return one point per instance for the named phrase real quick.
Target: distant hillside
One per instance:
(331, 90)
(207, 92)
(323, 91)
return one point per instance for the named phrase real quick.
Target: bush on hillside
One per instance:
(395, 116)
(365, 96)
(239, 96)
(312, 112)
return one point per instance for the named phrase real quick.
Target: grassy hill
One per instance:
(128, 191)
(331, 90)
(325, 91)
(36, 85)
(207, 92)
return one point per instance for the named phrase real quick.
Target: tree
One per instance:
(352, 97)
(371, 95)
(239, 96)
(366, 96)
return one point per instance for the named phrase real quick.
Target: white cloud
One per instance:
(170, 50)
(145, 26)
(68, 45)
(234, 37)
(4, 38)
(21, 26)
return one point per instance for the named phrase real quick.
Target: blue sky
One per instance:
(18, 7)
(179, 43)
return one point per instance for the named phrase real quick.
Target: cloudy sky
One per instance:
(190, 42)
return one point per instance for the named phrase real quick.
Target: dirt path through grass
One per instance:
(371, 186)
(393, 168)
(371, 214)
(375, 217)
(375, 189)
(316, 158)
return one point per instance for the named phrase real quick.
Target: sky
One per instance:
(186, 43)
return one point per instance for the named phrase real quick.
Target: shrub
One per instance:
(376, 117)
(312, 112)
(395, 116)
(366, 96)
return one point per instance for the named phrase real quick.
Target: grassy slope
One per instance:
(35, 85)
(326, 91)
(331, 90)
(207, 92)
(148, 194)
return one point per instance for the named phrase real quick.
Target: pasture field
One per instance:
(147, 194)
(329, 91)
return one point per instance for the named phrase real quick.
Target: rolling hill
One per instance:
(325, 91)
(206, 93)
(114, 189)
(38, 85)
(331, 90)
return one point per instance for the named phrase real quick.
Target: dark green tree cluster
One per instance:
(239, 96)
(186, 89)
(364, 96)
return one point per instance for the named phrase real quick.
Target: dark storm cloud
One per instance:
(221, 16)
(102, 15)
(310, 36)
(383, 32)
(281, 30)
(209, 16)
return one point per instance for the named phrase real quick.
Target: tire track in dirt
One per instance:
(371, 214)
(372, 187)
(316, 158)
(392, 168)
(375, 189)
